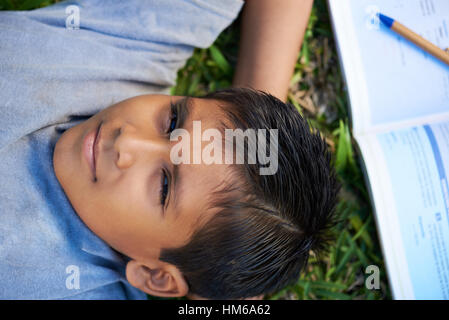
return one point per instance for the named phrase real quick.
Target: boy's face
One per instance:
(123, 205)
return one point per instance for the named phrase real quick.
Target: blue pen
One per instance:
(413, 37)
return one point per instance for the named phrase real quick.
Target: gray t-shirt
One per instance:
(52, 78)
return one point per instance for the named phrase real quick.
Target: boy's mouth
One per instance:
(90, 149)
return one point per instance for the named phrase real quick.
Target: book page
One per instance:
(393, 80)
(413, 209)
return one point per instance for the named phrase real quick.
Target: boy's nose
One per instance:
(132, 144)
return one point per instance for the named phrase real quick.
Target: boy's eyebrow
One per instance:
(176, 189)
(184, 108)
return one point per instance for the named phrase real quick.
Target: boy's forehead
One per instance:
(199, 181)
(207, 111)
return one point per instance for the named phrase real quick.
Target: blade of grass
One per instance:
(220, 60)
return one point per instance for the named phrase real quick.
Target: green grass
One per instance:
(317, 91)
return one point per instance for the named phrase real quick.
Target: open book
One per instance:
(399, 97)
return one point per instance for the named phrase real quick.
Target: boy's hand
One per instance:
(271, 36)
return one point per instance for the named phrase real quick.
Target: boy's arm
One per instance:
(271, 37)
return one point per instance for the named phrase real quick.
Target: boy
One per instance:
(93, 207)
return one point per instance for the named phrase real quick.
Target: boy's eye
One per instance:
(164, 188)
(173, 118)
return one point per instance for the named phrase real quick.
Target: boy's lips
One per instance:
(90, 149)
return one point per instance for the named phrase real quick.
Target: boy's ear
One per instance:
(156, 279)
